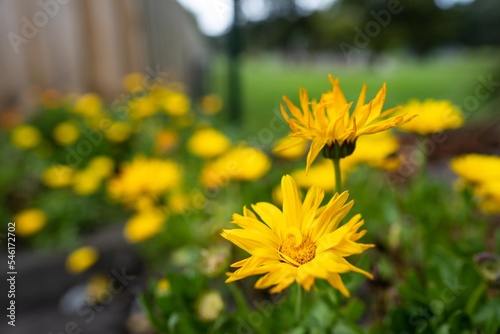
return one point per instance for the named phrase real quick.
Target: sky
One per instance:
(214, 17)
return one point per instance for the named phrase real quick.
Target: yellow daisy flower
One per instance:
(26, 136)
(81, 259)
(208, 143)
(29, 221)
(433, 116)
(329, 125)
(476, 168)
(300, 243)
(144, 225)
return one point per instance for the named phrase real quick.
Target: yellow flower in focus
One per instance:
(142, 107)
(432, 116)
(210, 306)
(29, 222)
(26, 136)
(81, 259)
(300, 243)
(163, 287)
(118, 132)
(102, 166)
(133, 82)
(166, 140)
(211, 104)
(243, 163)
(477, 168)
(89, 105)
(57, 176)
(66, 133)
(176, 104)
(86, 182)
(208, 143)
(145, 176)
(329, 125)
(144, 225)
(378, 150)
(295, 148)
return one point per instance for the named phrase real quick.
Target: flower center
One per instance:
(297, 249)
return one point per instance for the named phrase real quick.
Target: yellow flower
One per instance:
(66, 133)
(81, 259)
(29, 222)
(300, 243)
(211, 104)
(86, 182)
(489, 193)
(133, 82)
(57, 176)
(208, 143)
(118, 132)
(102, 166)
(178, 203)
(242, 163)
(26, 136)
(142, 107)
(290, 152)
(320, 175)
(163, 287)
(143, 176)
(329, 125)
(210, 306)
(176, 104)
(97, 288)
(89, 105)
(166, 140)
(378, 150)
(476, 168)
(144, 225)
(433, 116)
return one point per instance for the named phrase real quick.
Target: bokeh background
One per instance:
(247, 54)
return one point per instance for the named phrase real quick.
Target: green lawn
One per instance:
(266, 79)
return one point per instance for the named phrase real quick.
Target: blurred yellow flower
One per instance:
(81, 259)
(320, 175)
(211, 104)
(26, 136)
(294, 148)
(243, 163)
(208, 143)
(489, 193)
(432, 116)
(97, 288)
(277, 195)
(144, 225)
(163, 287)
(300, 243)
(133, 82)
(142, 107)
(86, 182)
(378, 150)
(176, 104)
(66, 133)
(29, 222)
(178, 202)
(118, 132)
(477, 168)
(209, 306)
(57, 176)
(145, 176)
(166, 140)
(102, 165)
(89, 105)
(329, 125)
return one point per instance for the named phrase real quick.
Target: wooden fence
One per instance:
(89, 45)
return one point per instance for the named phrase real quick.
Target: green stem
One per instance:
(338, 175)
(238, 298)
(298, 303)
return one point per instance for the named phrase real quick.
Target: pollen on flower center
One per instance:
(297, 255)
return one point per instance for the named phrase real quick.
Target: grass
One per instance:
(266, 79)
